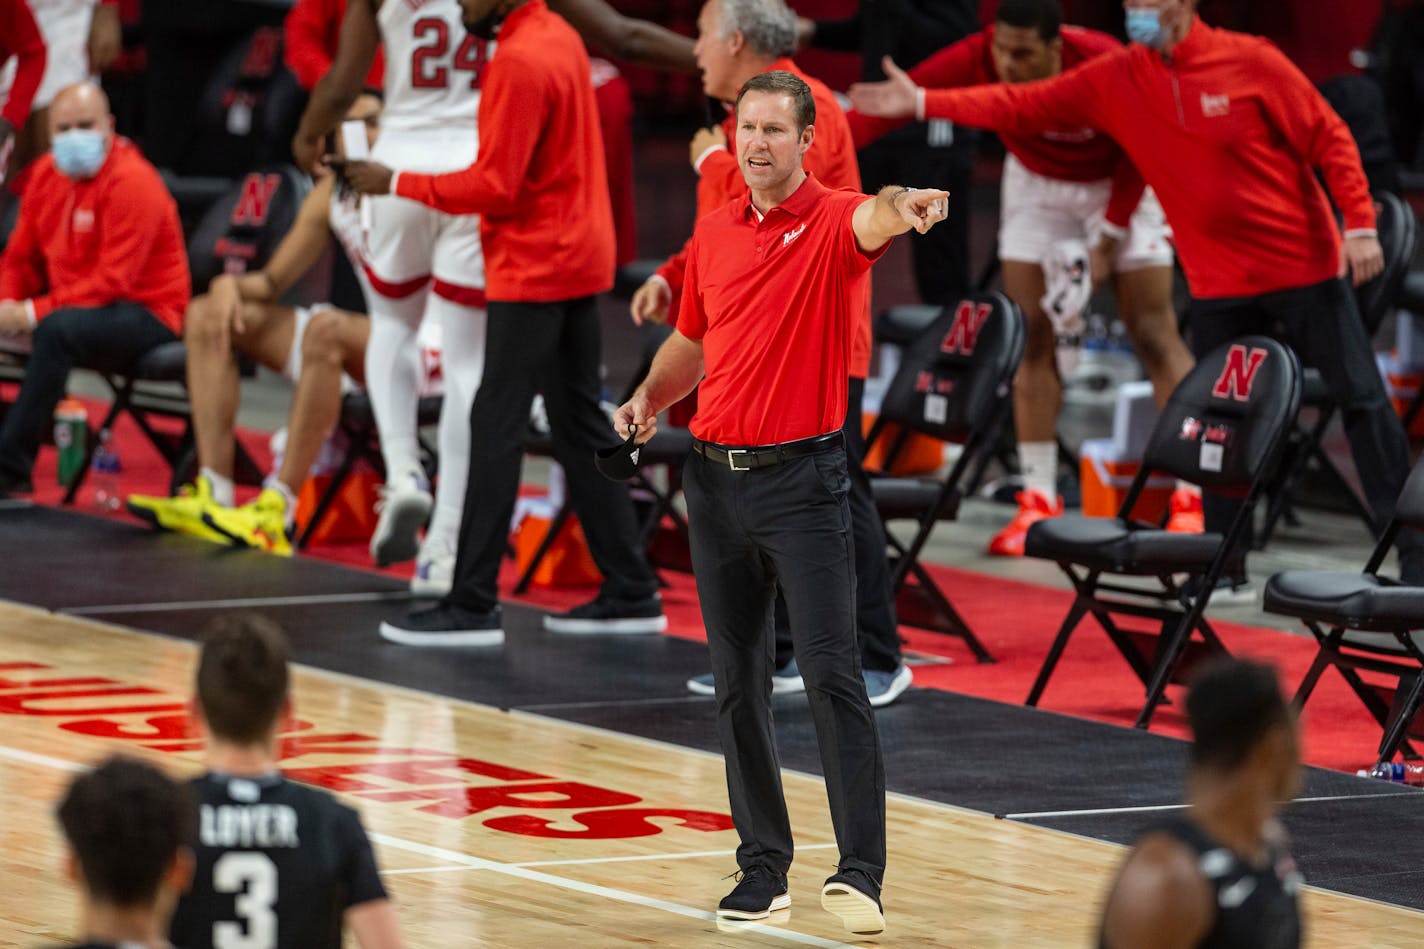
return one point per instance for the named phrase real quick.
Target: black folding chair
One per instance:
(952, 384)
(668, 448)
(1365, 622)
(237, 234)
(1222, 429)
(1397, 234)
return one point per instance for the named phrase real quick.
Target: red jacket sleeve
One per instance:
(1317, 134)
(305, 49)
(513, 103)
(1126, 193)
(1074, 98)
(22, 267)
(964, 63)
(20, 37)
(133, 217)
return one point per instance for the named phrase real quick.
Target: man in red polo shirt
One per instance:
(540, 189)
(736, 40)
(768, 314)
(1229, 134)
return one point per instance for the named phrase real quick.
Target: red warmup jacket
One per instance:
(312, 33)
(92, 243)
(539, 185)
(831, 158)
(1066, 154)
(1228, 133)
(20, 37)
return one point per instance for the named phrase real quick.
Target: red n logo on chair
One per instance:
(1239, 373)
(256, 200)
(964, 331)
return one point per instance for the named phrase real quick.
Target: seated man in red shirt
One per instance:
(95, 274)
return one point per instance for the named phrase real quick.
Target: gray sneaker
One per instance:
(786, 679)
(885, 687)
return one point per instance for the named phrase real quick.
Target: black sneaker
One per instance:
(446, 625)
(607, 615)
(854, 896)
(1229, 591)
(760, 891)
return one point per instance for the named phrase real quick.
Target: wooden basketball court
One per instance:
(508, 828)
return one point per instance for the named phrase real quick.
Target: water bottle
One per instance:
(71, 427)
(104, 470)
(1399, 772)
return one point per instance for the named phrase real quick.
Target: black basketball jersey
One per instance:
(278, 863)
(1257, 907)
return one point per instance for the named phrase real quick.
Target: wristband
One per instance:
(1361, 232)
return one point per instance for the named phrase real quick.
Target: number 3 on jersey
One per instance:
(253, 877)
(428, 66)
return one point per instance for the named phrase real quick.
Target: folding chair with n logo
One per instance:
(952, 384)
(1222, 429)
(1375, 624)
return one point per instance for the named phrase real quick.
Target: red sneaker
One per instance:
(1033, 507)
(1185, 512)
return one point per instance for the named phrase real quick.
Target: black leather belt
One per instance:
(761, 456)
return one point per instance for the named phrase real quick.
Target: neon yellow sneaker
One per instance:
(182, 513)
(260, 523)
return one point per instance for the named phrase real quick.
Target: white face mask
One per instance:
(79, 153)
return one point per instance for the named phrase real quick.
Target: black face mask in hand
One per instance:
(619, 462)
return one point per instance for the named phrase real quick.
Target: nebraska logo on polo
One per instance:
(83, 220)
(791, 235)
(1215, 106)
(1239, 373)
(964, 331)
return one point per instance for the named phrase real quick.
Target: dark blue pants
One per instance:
(107, 338)
(786, 526)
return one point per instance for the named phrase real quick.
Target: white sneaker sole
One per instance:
(428, 587)
(459, 637)
(778, 903)
(898, 685)
(858, 912)
(613, 627)
(397, 535)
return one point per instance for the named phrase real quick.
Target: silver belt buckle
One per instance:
(732, 454)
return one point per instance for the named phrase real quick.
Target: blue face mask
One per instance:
(78, 153)
(1144, 26)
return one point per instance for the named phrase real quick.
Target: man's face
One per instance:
(1022, 55)
(715, 53)
(366, 109)
(770, 146)
(80, 109)
(473, 12)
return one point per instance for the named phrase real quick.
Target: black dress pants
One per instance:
(107, 338)
(875, 621)
(789, 526)
(553, 348)
(1321, 322)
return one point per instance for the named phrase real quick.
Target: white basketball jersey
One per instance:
(433, 67)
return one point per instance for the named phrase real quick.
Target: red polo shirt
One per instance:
(539, 184)
(775, 303)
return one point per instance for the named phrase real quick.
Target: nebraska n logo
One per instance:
(964, 331)
(1239, 373)
(255, 201)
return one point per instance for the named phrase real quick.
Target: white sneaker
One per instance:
(434, 569)
(404, 507)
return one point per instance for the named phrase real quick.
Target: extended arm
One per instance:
(333, 95)
(630, 39)
(1158, 900)
(375, 924)
(676, 370)
(894, 210)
